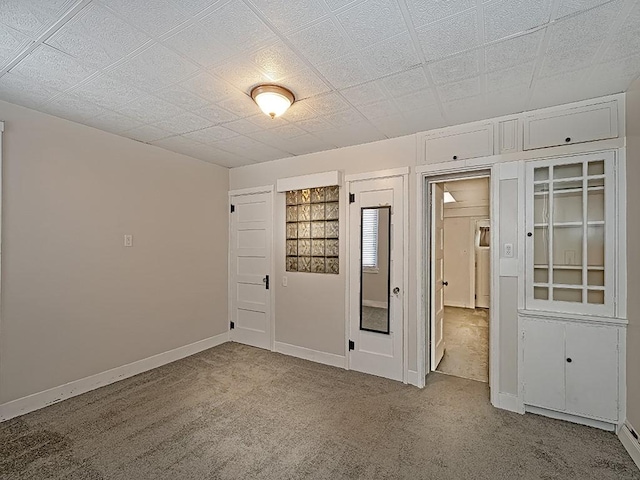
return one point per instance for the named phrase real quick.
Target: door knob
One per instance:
(396, 291)
(445, 284)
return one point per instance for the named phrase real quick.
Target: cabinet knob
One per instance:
(455, 157)
(569, 360)
(529, 234)
(568, 139)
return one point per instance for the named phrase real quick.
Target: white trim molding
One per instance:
(589, 422)
(312, 355)
(375, 304)
(413, 378)
(54, 395)
(325, 179)
(393, 172)
(631, 443)
(252, 190)
(508, 401)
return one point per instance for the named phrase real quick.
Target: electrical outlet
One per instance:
(284, 281)
(508, 250)
(128, 240)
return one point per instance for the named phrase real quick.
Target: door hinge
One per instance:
(233, 208)
(266, 282)
(232, 325)
(352, 345)
(352, 198)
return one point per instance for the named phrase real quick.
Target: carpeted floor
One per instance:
(240, 412)
(466, 338)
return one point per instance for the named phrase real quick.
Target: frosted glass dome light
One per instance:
(272, 99)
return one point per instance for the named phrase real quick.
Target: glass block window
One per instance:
(312, 230)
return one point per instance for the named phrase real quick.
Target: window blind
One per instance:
(370, 238)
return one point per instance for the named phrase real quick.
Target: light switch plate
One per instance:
(508, 250)
(128, 240)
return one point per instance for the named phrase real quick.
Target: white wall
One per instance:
(633, 255)
(75, 301)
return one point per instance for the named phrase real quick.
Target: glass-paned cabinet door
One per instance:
(570, 234)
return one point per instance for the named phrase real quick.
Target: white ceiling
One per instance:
(176, 73)
(469, 193)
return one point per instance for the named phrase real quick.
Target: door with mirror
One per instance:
(376, 278)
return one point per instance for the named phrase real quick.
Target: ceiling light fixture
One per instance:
(448, 198)
(273, 100)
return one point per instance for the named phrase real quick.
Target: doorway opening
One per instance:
(460, 276)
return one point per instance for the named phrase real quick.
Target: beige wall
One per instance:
(75, 301)
(633, 255)
(375, 285)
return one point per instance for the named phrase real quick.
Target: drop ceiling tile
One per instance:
(423, 99)
(345, 118)
(208, 87)
(469, 87)
(326, 104)
(11, 43)
(365, 94)
(237, 26)
(196, 7)
(322, 42)
(97, 37)
(625, 41)
(155, 68)
(564, 88)
(286, 15)
(147, 133)
(242, 126)
(509, 77)
(155, 17)
(107, 92)
(393, 126)
(423, 120)
(266, 122)
(423, 12)
(405, 82)
(287, 131)
(372, 21)
(297, 112)
(339, 4)
(184, 123)
(305, 84)
(216, 114)
(268, 138)
(52, 68)
(210, 135)
(449, 36)
(24, 91)
(72, 108)
(509, 17)
(149, 109)
(230, 160)
(181, 97)
(391, 56)
(314, 125)
(355, 135)
(176, 143)
(278, 61)
(380, 109)
(507, 101)
(200, 45)
(456, 68)
(345, 72)
(113, 122)
(568, 7)
(241, 74)
(514, 51)
(619, 74)
(307, 144)
(466, 110)
(560, 61)
(32, 17)
(240, 105)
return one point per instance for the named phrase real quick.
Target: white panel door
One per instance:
(592, 371)
(250, 259)
(437, 276)
(543, 363)
(375, 352)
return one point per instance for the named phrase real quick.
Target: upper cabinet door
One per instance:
(570, 243)
(459, 143)
(588, 123)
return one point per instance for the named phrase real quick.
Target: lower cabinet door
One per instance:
(543, 365)
(592, 371)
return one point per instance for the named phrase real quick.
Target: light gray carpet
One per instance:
(466, 338)
(240, 412)
(374, 318)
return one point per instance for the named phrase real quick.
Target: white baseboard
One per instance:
(508, 401)
(309, 354)
(589, 422)
(373, 303)
(414, 379)
(39, 400)
(630, 443)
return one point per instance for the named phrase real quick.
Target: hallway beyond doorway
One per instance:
(466, 335)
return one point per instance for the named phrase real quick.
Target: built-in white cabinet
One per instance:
(570, 234)
(459, 143)
(566, 126)
(571, 367)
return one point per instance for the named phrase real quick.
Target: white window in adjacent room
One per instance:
(370, 238)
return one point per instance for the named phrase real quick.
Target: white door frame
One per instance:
(272, 290)
(458, 171)
(404, 174)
